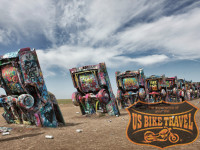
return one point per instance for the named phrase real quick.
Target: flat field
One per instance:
(98, 132)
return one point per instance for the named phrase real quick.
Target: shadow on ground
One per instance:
(20, 137)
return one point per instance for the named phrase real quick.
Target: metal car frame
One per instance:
(189, 90)
(172, 89)
(181, 89)
(94, 92)
(196, 88)
(27, 100)
(157, 88)
(131, 87)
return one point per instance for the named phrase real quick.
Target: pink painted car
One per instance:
(94, 92)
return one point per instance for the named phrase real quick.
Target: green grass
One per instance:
(64, 101)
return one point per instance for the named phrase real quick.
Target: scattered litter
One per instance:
(5, 133)
(117, 115)
(123, 119)
(48, 136)
(197, 102)
(5, 129)
(77, 112)
(79, 130)
(109, 120)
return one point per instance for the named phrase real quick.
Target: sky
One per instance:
(162, 37)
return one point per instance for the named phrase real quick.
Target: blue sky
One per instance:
(163, 37)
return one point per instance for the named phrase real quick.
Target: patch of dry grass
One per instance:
(64, 101)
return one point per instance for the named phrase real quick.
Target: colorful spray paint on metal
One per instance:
(131, 87)
(181, 89)
(157, 88)
(27, 100)
(189, 90)
(196, 88)
(172, 89)
(94, 92)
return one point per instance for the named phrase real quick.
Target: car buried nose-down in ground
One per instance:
(94, 92)
(131, 87)
(172, 89)
(27, 100)
(157, 88)
(181, 89)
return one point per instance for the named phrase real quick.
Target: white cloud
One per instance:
(149, 60)
(114, 31)
(3, 36)
(72, 56)
(105, 17)
(67, 57)
(26, 19)
(178, 35)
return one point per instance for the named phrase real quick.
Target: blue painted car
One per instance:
(27, 100)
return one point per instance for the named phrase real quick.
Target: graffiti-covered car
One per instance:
(27, 100)
(94, 92)
(195, 87)
(131, 87)
(157, 88)
(181, 89)
(189, 90)
(172, 89)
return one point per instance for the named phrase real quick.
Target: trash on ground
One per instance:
(49, 137)
(79, 130)
(5, 133)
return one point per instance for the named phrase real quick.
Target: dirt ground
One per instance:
(105, 133)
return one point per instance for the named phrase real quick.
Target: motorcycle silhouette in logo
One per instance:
(164, 135)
